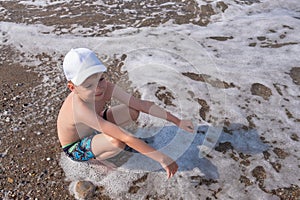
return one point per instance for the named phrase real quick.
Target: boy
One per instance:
(83, 112)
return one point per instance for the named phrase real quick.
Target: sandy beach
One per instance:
(256, 154)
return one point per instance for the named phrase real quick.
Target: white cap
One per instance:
(81, 63)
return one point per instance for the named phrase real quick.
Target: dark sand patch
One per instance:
(165, 95)
(221, 38)
(295, 75)
(261, 90)
(203, 111)
(208, 79)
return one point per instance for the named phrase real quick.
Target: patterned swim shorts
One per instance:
(80, 150)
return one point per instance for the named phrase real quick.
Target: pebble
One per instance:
(7, 119)
(57, 80)
(85, 189)
(19, 84)
(25, 105)
(39, 133)
(4, 153)
(10, 180)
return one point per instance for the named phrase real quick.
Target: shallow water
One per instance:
(204, 66)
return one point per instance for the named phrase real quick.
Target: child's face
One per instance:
(93, 88)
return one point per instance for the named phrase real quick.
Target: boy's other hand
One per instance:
(186, 125)
(170, 166)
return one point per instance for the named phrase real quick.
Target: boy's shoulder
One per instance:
(73, 107)
(71, 102)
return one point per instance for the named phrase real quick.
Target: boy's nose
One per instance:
(98, 88)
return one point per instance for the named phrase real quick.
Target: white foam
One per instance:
(43, 2)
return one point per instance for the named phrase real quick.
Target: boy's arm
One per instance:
(96, 122)
(166, 162)
(150, 108)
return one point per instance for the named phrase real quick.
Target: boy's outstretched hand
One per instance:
(186, 125)
(170, 166)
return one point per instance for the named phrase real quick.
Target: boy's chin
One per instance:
(98, 97)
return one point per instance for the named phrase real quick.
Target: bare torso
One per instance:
(69, 130)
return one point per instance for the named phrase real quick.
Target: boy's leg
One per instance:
(122, 115)
(104, 146)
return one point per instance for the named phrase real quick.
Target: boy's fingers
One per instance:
(171, 169)
(190, 126)
(168, 173)
(190, 129)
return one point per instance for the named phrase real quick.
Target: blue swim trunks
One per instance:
(80, 150)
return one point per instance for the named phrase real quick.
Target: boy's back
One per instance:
(68, 130)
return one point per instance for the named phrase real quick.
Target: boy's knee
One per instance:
(134, 114)
(117, 143)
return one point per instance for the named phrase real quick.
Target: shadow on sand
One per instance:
(190, 150)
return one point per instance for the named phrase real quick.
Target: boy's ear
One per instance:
(71, 86)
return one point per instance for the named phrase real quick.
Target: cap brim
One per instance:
(82, 76)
